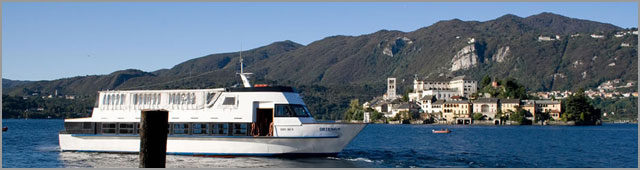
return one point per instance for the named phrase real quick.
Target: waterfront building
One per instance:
(397, 109)
(487, 107)
(456, 110)
(509, 105)
(553, 107)
(436, 107)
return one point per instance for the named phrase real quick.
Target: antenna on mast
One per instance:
(243, 75)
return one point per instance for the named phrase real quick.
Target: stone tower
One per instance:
(391, 89)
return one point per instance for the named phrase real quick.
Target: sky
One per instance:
(52, 40)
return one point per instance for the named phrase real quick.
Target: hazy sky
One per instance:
(51, 40)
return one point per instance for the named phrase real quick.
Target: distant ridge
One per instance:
(507, 46)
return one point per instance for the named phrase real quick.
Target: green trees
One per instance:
(355, 111)
(37, 107)
(478, 116)
(623, 108)
(512, 89)
(402, 116)
(375, 115)
(519, 116)
(507, 88)
(542, 116)
(577, 107)
(486, 81)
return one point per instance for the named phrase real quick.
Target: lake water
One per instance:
(34, 143)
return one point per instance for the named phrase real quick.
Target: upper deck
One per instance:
(192, 105)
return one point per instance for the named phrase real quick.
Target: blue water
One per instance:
(34, 143)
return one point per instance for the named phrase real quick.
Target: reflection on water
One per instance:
(110, 160)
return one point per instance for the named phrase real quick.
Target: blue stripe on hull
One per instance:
(223, 154)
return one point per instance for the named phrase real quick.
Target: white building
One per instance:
(426, 103)
(487, 106)
(443, 88)
(544, 38)
(597, 36)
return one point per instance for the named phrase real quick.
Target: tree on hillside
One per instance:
(486, 81)
(513, 89)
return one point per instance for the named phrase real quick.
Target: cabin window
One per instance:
(210, 97)
(183, 98)
(293, 110)
(109, 128)
(181, 128)
(122, 97)
(300, 111)
(282, 111)
(172, 98)
(152, 98)
(229, 101)
(126, 128)
(87, 125)
(193, 98)
(158, 99)
(219, 128)
(135, 99)
(240, 129)
(199, 128)
(176, 98)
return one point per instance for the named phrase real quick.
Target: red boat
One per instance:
(441, 131)
(5, 128)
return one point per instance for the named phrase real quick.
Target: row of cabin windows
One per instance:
(146, 99)
(113, 99)
(218, 129)
(182, 98)
(152, 98)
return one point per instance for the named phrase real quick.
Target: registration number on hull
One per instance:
(329, 129)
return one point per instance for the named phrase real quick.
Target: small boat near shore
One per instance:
(441, 131)
(4, 129)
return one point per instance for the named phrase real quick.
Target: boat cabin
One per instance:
(251, 111)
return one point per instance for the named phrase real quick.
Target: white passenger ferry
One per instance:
(246, 121)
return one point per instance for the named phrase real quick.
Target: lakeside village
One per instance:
(457, 101)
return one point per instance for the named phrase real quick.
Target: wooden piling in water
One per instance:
(154, 126)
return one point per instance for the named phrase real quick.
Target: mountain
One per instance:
(7, 83)
(544, 52)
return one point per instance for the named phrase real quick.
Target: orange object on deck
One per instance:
(260, 85)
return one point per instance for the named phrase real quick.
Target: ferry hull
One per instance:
(221, 145)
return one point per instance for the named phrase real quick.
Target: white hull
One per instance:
(223, 145)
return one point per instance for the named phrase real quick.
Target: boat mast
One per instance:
(243, 75)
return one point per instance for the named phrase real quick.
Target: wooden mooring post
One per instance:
(154, 126)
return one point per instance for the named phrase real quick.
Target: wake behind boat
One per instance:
(247, 121)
